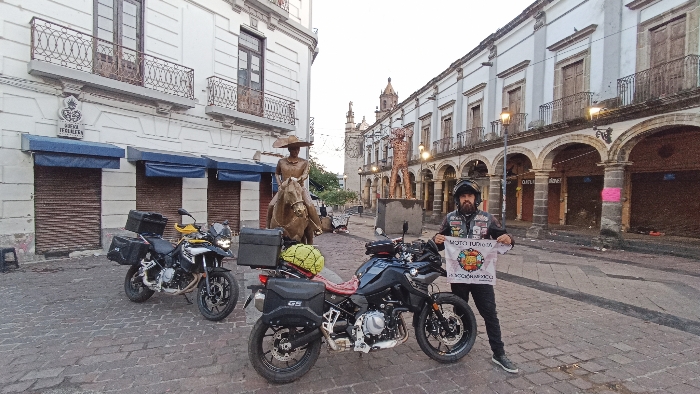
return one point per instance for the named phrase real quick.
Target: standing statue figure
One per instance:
(293, 169)
(400, 160)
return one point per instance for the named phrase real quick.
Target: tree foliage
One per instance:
(318, 174)
(330, 191)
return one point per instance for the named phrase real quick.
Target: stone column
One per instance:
(611, 215)
(495, 195)
(437, 199)
(540, 212)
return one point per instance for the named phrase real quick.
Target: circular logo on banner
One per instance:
(470, 259)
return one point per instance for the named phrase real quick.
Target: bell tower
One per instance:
(388, 99)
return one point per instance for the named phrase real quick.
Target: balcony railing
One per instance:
(518, 124)
(660, 81)
(63, 46)
(566, 108)
(470, 137)
(443, 145)
(227, 94)
(283, 4)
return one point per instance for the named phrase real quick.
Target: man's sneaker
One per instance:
(505, 363)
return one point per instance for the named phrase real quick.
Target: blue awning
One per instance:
(237, 176)
(60, 152)
(268, 167)
(220, 163)
(275, 186)
(168, 164)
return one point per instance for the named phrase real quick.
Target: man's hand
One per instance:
(504, 239)
(440, 239)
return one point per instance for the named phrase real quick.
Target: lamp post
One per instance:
(505, 120)
(424, 155)
(345, 181)
(362, 188)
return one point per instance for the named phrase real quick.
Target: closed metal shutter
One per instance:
(265, 197)
(67, 209)
(159, 194)
(224, 202)
(666, 202)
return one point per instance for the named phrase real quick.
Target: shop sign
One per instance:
(554, 180)
(528, 181)
(70, 124)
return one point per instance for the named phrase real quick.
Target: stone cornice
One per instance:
(637, 4)
(475, 89)
(512, 70)
(426, 116)
(409, 124)
(447, 105)
(578, 36)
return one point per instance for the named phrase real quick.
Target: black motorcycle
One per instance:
(364, 314)
(195, 262)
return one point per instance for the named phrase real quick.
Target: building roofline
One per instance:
(485, 44)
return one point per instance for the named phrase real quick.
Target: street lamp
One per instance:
(345, 181)
(362, 188)
(424, 155)
(505, 120)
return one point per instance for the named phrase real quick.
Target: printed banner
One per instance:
(472, 260)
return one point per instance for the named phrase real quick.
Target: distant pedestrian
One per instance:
(324, 211)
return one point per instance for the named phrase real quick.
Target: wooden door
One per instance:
(667, 48)
(572, 84)
(514, 104)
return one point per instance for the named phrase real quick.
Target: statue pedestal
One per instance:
(392, 212)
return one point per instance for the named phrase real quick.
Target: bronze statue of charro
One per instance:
(400, 161)
(295, 213)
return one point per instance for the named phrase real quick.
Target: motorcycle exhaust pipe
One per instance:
(331, 342)
(306, 339)
(191, 286)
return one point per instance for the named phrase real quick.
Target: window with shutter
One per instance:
(118, 25)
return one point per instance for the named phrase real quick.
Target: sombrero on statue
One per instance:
(290, 142)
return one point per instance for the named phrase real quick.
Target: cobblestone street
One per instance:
(588, 322)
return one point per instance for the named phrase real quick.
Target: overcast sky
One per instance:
(363, 42)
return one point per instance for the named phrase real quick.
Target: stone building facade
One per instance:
(603, 98)
(112, 105)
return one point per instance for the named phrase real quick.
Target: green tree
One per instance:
(321, 177)
(337, 196)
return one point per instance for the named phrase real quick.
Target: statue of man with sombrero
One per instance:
(293, 168)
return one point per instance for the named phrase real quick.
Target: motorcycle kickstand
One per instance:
(187, 299)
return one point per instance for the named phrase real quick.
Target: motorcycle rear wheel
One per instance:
(433, 339)
(134, 288)
(224, 296)
(271, 361)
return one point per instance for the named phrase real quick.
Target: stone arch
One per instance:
(498, 166)
(475, 156)
(443, 167)
(553, 148)
(622, 146)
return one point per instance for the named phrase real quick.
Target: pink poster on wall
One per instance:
(611, 194)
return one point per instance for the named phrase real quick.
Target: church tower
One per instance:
(388, 99)
(354, 150)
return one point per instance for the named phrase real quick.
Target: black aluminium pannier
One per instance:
(142, 222)
(293, 302)
(259, 248)
(127, 251)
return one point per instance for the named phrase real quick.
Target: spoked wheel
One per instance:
(273, 358)
(134, 288)
(449, 335)
(223, 298)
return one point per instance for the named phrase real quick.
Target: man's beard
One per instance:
(467, 208)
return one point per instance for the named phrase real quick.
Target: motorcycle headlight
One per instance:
(223, 242)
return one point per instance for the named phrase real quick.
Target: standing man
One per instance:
(467, 221)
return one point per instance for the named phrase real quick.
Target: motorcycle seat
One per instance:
(160, 245)
(345, 288)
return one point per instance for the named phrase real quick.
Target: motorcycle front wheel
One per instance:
(446, 345)
(223, 298)
(270, 355)
(134, 288)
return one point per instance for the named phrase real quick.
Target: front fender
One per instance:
(218, 269)
(426, 304)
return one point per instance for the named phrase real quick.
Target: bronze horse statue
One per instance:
(290, 213)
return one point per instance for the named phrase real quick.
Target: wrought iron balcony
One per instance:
(661, 81)
(228, 94)
(470, 137)
(443, 145)
(283, 4)
(518, 124)
(566, 108)
(65, 47)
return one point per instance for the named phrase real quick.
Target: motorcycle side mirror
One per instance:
(225, 223)
(183, 212)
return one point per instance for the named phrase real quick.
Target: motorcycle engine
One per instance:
(373, 323)
(166, 276)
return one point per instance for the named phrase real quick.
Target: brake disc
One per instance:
(281, 346)
(455, 324)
